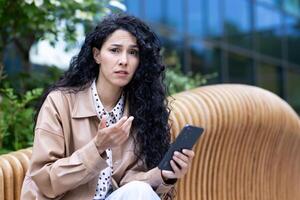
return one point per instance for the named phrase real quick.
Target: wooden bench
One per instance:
(250, 149)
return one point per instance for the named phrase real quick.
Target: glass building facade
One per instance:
(253, 42)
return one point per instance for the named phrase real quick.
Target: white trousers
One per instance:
(134, 190)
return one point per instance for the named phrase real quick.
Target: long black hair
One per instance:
(146, 91)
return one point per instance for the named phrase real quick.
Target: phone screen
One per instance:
(186, 139)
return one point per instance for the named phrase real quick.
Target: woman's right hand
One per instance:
(114, 135)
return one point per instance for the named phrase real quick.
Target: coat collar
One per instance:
(84, 105)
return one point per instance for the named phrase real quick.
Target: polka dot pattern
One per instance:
(104, 182)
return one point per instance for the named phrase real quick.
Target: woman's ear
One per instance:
(96, 55)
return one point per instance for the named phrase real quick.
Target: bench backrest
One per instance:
(250, 149)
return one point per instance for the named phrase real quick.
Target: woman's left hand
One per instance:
(180, 164)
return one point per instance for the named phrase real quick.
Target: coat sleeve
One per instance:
(52, 171)
(152, 177)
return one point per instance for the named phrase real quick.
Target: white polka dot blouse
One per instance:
(104, 187)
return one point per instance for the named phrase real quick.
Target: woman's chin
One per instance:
(121, 84)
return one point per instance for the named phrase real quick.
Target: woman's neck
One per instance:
(108, 94)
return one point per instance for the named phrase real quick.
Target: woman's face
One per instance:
(118, 58)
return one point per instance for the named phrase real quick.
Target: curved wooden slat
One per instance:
(18, 174)
(1, 184)
(14, 166)
(8, 179)
(23, 158)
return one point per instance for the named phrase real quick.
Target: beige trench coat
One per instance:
(65, 163)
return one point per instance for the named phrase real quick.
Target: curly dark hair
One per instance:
(146, 91)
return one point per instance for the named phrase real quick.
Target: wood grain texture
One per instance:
(251, 145)
(7, 179)
(18, 174)
(13, 167)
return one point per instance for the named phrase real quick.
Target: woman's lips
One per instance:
(122, 73)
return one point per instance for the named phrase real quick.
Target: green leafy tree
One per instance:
(24, 22)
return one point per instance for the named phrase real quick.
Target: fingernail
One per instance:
(176, 153)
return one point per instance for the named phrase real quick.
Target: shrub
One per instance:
(177, 81)
(16, 119)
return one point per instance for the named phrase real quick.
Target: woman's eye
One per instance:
(134, 52)
(115, 50)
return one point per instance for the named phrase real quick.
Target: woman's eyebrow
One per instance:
(119, 45)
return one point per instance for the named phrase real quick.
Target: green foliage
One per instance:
(18, 95)
(16, 124)
(177, 81)
(1, 73)
(37, 19)
(25, 22)
(24, 81)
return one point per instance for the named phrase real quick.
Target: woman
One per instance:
(103, 128)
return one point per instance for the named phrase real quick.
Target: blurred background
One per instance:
(254, 42)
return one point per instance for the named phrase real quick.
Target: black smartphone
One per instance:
(186, 139)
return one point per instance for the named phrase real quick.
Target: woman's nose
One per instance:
(123, 59)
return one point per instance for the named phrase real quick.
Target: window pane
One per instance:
(195, 18)
(240, 69)
(238, 29)
(205, 59)
(293, 82)
(172, 44)
(273, 2)
(167, 38)
(153, 10)
(172, 53)
(292, 6)
(197, 51)
(174, 11)
(267, 77)
(133, 7)
(213, 25)
(268, 31)
(293, 37)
